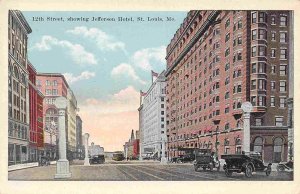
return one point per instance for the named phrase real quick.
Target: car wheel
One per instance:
(211, 167)
(280, 168)
(268, 171)
(248, 171)
(228, 173)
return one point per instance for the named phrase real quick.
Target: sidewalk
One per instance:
(25, 165)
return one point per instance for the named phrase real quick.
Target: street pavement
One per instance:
(139, 171)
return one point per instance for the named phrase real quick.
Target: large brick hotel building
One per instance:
(216, 61)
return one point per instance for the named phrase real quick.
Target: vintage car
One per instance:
(206, 159)
(185, 158)
(244, 163)
(285, 166)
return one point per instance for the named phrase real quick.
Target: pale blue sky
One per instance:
(103, 46)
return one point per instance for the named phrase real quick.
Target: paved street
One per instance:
(139, 171)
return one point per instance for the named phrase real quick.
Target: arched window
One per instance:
(239, 105)
(278, 144)
(227, 126)
(258, 144)
(16, 72)
(23, 78)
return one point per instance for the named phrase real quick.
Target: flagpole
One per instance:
(152, 76)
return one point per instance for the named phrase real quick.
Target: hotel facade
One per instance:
(218, 60)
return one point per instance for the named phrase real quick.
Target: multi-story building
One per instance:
(216, 61)
(153, 118)
(79, 145)
(52, 85)
(18, 95)
(71, 120)
(36, 132)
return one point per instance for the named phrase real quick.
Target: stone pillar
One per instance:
(126, 152)
(62, 165)
(86, 158)
(163, 150)
(246, 133)
(247, 108)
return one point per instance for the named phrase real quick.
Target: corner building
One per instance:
(216, 61)
(18, 89)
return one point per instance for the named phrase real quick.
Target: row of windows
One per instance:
(53, 92)
(262, 17)
(278, 121)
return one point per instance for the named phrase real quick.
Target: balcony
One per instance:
(237, 113)
(216, 119)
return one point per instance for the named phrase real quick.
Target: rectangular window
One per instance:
(283, 53)
(273, 20)
(262, 34)
(282, 86)
(261, 17)
(283, 20)
(227, 37)
(273, 36)
(273, 69)
(272, 101)
(273, 53)
(253, 67)
(261, 67)
(162, 119)
(261, 100)
(47, 83)
(253, 84)
(253, 51)
(162, 126)
(54, 83)
(54, 92)
(279, 121)
(254, 17)
(258, 122)
(283, 37)
(162, 106)
(282, 102)
(282, 70)
(273, 83)
(262, 50)
(162, 112)
(254, 34)
(261, 84)
(227, 24)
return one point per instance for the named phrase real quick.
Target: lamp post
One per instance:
(163, 159)
(86, 157)
(216, 144)
(62, 165)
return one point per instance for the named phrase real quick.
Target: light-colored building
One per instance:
(18, 92)
(71, 119)
(153, 118)
(79, 145)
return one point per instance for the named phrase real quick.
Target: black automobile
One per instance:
(185, 158)
(285, 166)
(206, 159)
(244, 163)
(99, 159)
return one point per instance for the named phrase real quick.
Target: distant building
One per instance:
(36, 126)
(18, 88)
(152, 119)
(131, 148)
(71, 120)
(52, 85)
(79, 145)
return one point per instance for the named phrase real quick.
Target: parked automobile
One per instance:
(185, 158)
(244, 163)
(118, 156)
(44, 161)
(96, 154)
(285, 166)
(206, 159)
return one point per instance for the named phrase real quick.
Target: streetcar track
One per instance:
(127, 173)
(161, 171)
(139, 170)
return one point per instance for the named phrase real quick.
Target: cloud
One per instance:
(83, 76)
(77, 52)
(149, 58)
(127, 70)
(109, 122)
(104, 41)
